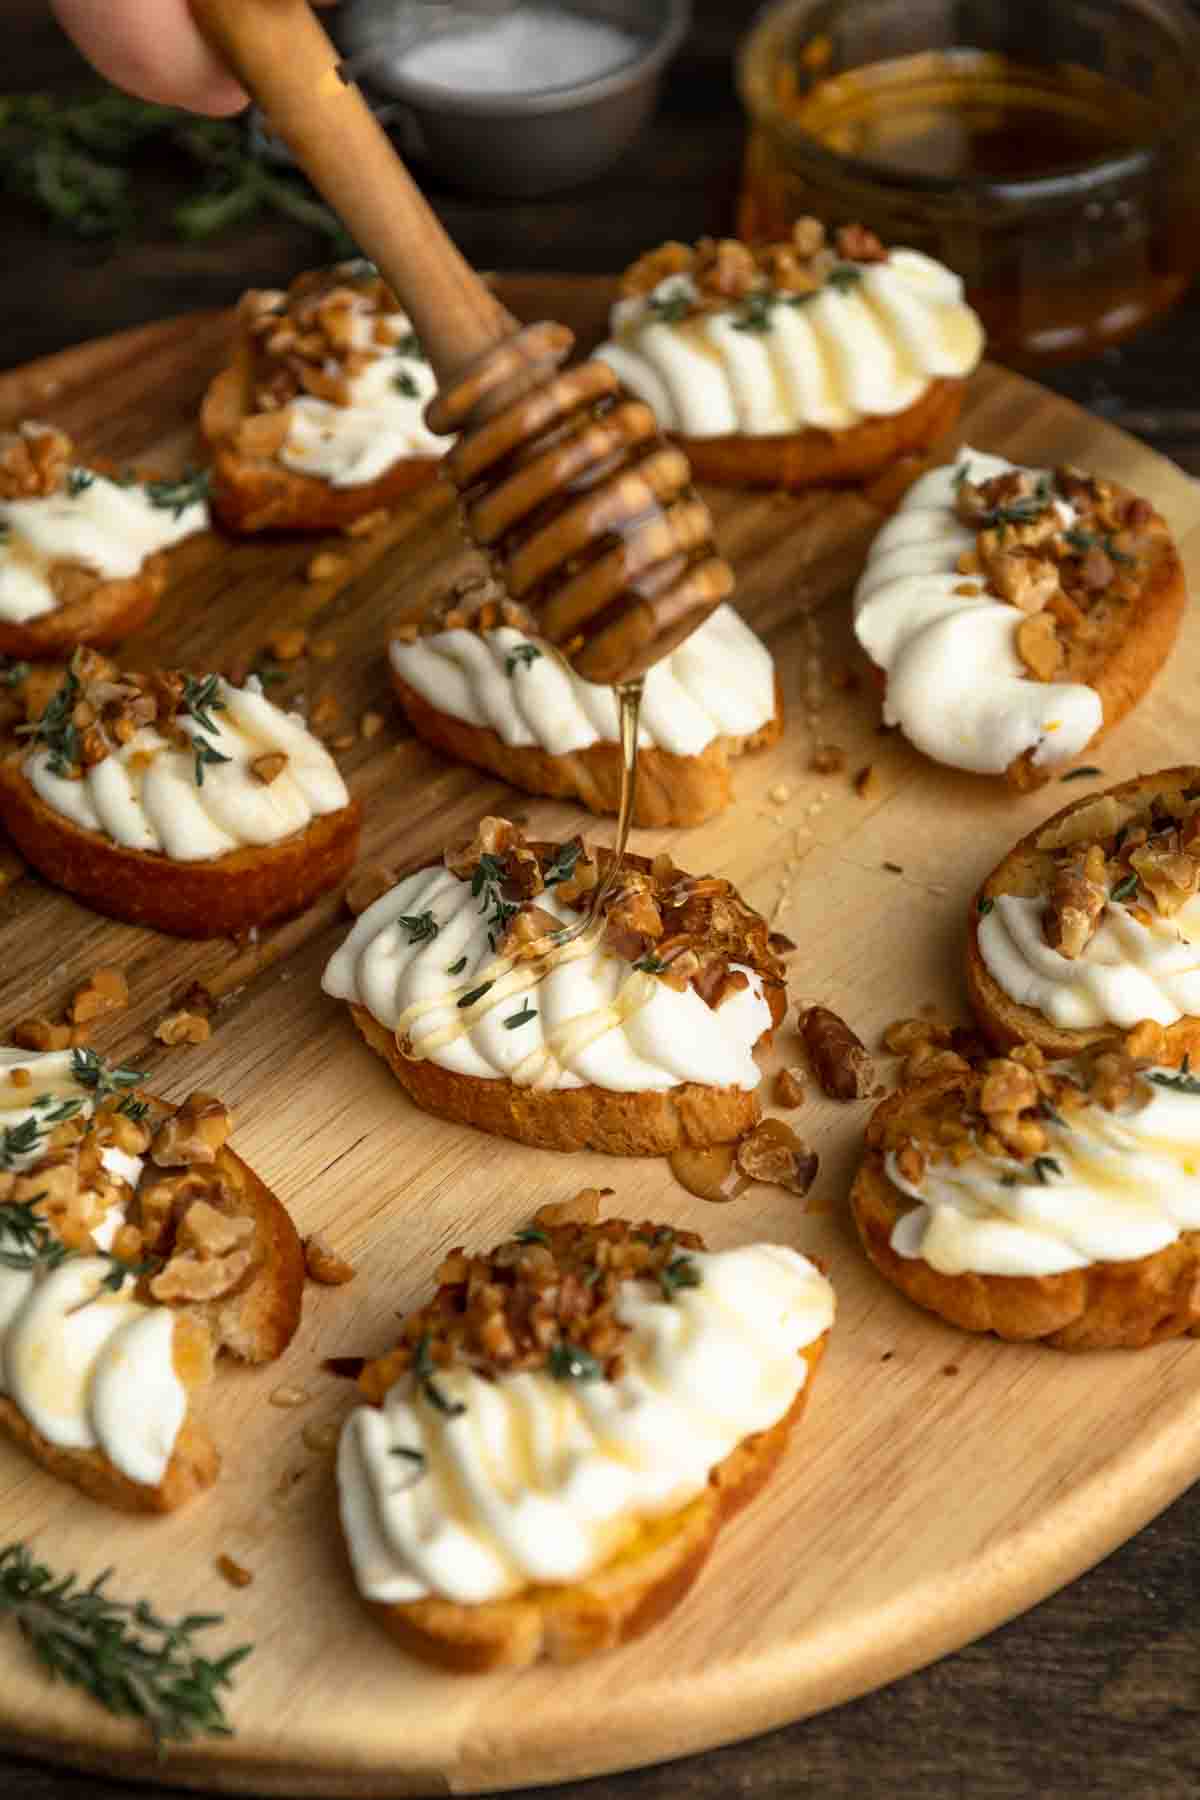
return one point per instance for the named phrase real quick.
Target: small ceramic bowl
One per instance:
(518, 143)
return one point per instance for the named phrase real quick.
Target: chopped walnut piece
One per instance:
(105, 990)
(493, 837)
(1026, 580)
(367, 885)
(841, 1061)
(1038, 646)
(808, 236)
(34, 461)
(1008, 1090)
(1112, 1078)
(21, 1077)
(210, 1232)
(773, 1153)
(1076, 903)
(857, 244)
(643, 276)
(270, 767)
(910, 1161)
(1166, 871)
(367, 525)
(790, 1089)
(326, 565)
(183, 1028)
(323, 1263)
(584, 1209)
(191, 1277)
(1147, 1042)
(1096, 571)
(289, 643)
(530, 926)
(903, 1035)
(325, 712)
(40, 1034)
(725, 268)
(194, 1134)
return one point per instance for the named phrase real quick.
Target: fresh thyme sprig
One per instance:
(26, 1241)
(422, 928)
(56, 729)
(485, 886)
(176, 496)
(200, 700)
(1183, 1083)
(562, 867)
(134, 1663)
(423, 1371)
(101, 1079)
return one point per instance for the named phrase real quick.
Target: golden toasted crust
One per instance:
(194, 1466)
(103, 613)
(255, 1323)
(1105, 1306)
(672, 790)
(216, 898)
(257, 493)
(815, 457)
(1025, 871)
(1133, 647)
(620, 1601)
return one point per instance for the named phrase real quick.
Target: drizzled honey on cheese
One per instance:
(188, 766)
(1031, 1169)
(339, 383)
(64, 527)
(462, 963)
(583, 1378)
(983, 594)
(720, 682)
(1105, 929)
(723, 339)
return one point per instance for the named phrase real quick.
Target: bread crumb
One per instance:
(40, 1034)
(325, 712)
(789, 1088)
(326, 565)
(325, 649)
(828, 759)
(780, 793)
(233, 1572)
(367, 524)
(370, 725)
(345, 742)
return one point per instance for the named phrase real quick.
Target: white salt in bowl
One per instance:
(538, 98)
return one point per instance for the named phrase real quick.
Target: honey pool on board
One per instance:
(1063, 283)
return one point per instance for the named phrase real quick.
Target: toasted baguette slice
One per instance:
(254, 1322)
(1030, 869)
(583, 1118)
(671, 789)
(93, 612)
(1103, 1306)
(590, 1117)
(619, 1602)
(218, 898)
(258, 493)
(820, 458)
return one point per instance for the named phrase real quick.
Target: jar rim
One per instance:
(1018, 193)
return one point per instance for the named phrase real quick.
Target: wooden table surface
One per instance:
(1097, 1691)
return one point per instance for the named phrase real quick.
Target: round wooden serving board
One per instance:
(939, 1483)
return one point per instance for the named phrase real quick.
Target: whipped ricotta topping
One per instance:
(541, 1480)
(89, 1368)
(384, 420)
(955, 684)
(720, 682)
(591, 1018)
(1127, 972)
(1118, 1185)
(844, 354)
(104, 527)
(145, 796)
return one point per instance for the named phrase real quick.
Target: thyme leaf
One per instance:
(474, 994)
(78, 482)
(1046, 1166)
(844, 277)
(530, 1234)
(404, 384)
(668, 309)
(1126, 888)
(520, 658)
(458, 967)
(1183, 1083)
(423, 1371)
(56, 728)
(176, 496)
(421, 927)
(680, 1272)
(651, 965)
(985, 906)
(562, 865)
(1086, 773)
(92, 1072)
(132, 1662)
(520, 1018)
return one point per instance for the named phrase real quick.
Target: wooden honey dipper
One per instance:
(587, 514)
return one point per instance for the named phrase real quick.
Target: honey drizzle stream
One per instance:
(629, 701)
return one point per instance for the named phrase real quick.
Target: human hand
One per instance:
(154, 49)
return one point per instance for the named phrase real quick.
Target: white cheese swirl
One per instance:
(1117, 1186)
(88, 1367)
(1126, 972)
(955, 684)
(847, 353)
(591, 1019)
(106, 527)
(540, 1480)
(145, 795)
(720, 682)
(384, 420)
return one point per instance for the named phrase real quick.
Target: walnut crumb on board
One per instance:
(789, 1088)
(183, 1028)
(105, 990)
(323, 1263)
(289, 643)
(326, 565)
(233, 1572)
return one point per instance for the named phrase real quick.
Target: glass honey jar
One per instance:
(1047, 150)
